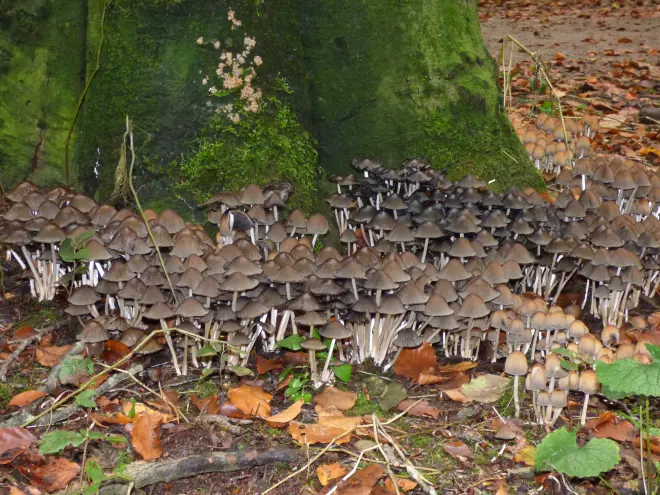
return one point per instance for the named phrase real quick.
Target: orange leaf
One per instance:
(328, 472)
(98, 381)
(456, 395)
(25, 398)
(23, 333)
(609, 426)
(13, 442)
(327, 429)
(282, 418)
(559, 56)
(295, 358)
(116, 418)
(51, 355)
(145, 435)
(229, 410)
(251, 400)
(456, 367)
(362, 482)
(412, 362)
(52, 476)
(458, 449)
(405, 485)
(208, 405)
(15, 491)
(332, 396)
(284, 383)
(265, 365)
(430, 378)
(422, 408)
(113, 351)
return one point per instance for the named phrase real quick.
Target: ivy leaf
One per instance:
(86, 398)
(631, 377)
(56, 441)
(559, 451)
(343, 372)
(292, 342)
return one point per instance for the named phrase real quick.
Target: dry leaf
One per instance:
(421, 408)
(295, 359)
(430, 378)
(457, 396)
(25, 398)
(145, 435)
(405, 485)
(251, 400)
(412, 362)
(113, 351)
(23, 333)
(229, 410)
(51, 355)
(458, 449)
(362, 482)
(328, 472)
(282, 418)
(454, 368)
(486, 388)
(327, 429)
(559, 56)
(139, 408)
(116, 418)
(15, 491)
(332, 396)
(52, 476)
(13, 442)
(284, 383)
(209, 405)
(609, 426)
(526, 455)
(265, 365)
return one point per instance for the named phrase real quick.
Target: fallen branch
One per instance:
(22, 346)
(55, 415)
(148, 473)
(220, 421)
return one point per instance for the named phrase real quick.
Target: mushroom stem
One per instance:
(426, 247)
(583, 417)
(170, 344)
(184, 368)
(233, 301)
(555, 416)
(325, 375)
(516, 399)
(312, 365)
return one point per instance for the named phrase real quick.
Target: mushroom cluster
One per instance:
(545, 141)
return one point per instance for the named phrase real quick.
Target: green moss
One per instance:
(364, 407)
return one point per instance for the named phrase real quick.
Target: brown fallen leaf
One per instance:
(412, 362)
(15, 491)
(284, 383)
(431, 378)
(145, 435)
(361, 483)
(405, 485)
(422, 408)
(51, 355)
(454, 368)
(113, 351)
(25, 398)
(295, 358)
(457, 396)
(328, 472)
(229, 410)
(13, 442)
(23, 332)
(332, 396)
(116, 418)
(208, 405)
(264, 365)
(458, 449)
(327, 429)
(607, 425)
(54, 475)
(282, 418)
(139, 408)
(251, 400)
(559, 56)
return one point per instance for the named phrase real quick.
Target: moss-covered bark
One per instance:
(41, 75)
(394, 79)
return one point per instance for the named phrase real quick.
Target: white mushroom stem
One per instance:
(426, 247)
(170, 344)
(325, 375)
(583, 417)
(37, 281)
(555, 416)
(185, 355)
(516, 399)
(312, 365)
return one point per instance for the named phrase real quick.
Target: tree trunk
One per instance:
(393, 79)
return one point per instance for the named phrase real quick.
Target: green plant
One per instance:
(56, 441)
(72, 250)
(298, 387)
(343, 372)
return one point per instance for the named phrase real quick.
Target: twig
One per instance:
(218, 420)
(22, 346)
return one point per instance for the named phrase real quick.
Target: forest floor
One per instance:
(604, 59)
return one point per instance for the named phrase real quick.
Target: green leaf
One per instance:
(568, 365)
(56, 441)
(631, 377)
(392, 394)
(74, 368)
(94, 471)
(240, 371)
(131, 412)
(343, 372)
(562, 351)
(209, 350)
(207, 371)
(292, 342)
(83, 254)
(285, 373)
(66, 250)
(560, 452)
(86, 398)
(80, 240)
(307, 397)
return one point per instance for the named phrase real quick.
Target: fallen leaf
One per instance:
(54, 475)
(607, 425)
(265, 365)
(251, 400)
(327, 429)
(430, 378)
(208, 405)
(25, 398)
(457, 379)
(295, 358)
(362, 482)
(51, 355)
(485, 388)
(454, 368)
(422, 408)
(23, 332)
(503, 489)
(229, 410)
(116, 418)
(328, 472)
(405, 485)
(284, 383)
(412, 362)
(322, 411)
(15, 491)
(526, 455)
(559, 56)
(391, 395)
(332, 396)
(13, 442)
(282, 418)
(458, 449)
(379, 490)
(457, 396)
(113, 351)
(139, 408)
(145, 435)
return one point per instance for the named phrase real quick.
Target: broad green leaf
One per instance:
(560, 452)
(343, 372)
(80, 240)
(611, 394)
(94, 471)
(86, 398)
(207, 371)
(74, 368)
(115, 439)
(210, 350)
(631, 377)
(240, 371)
(66, 250)
(568, 365)
(285, 373)
(83, 254)
(56, 441)
(292, 342)
(131, 411)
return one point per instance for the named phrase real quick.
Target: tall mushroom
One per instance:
(516, 365)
